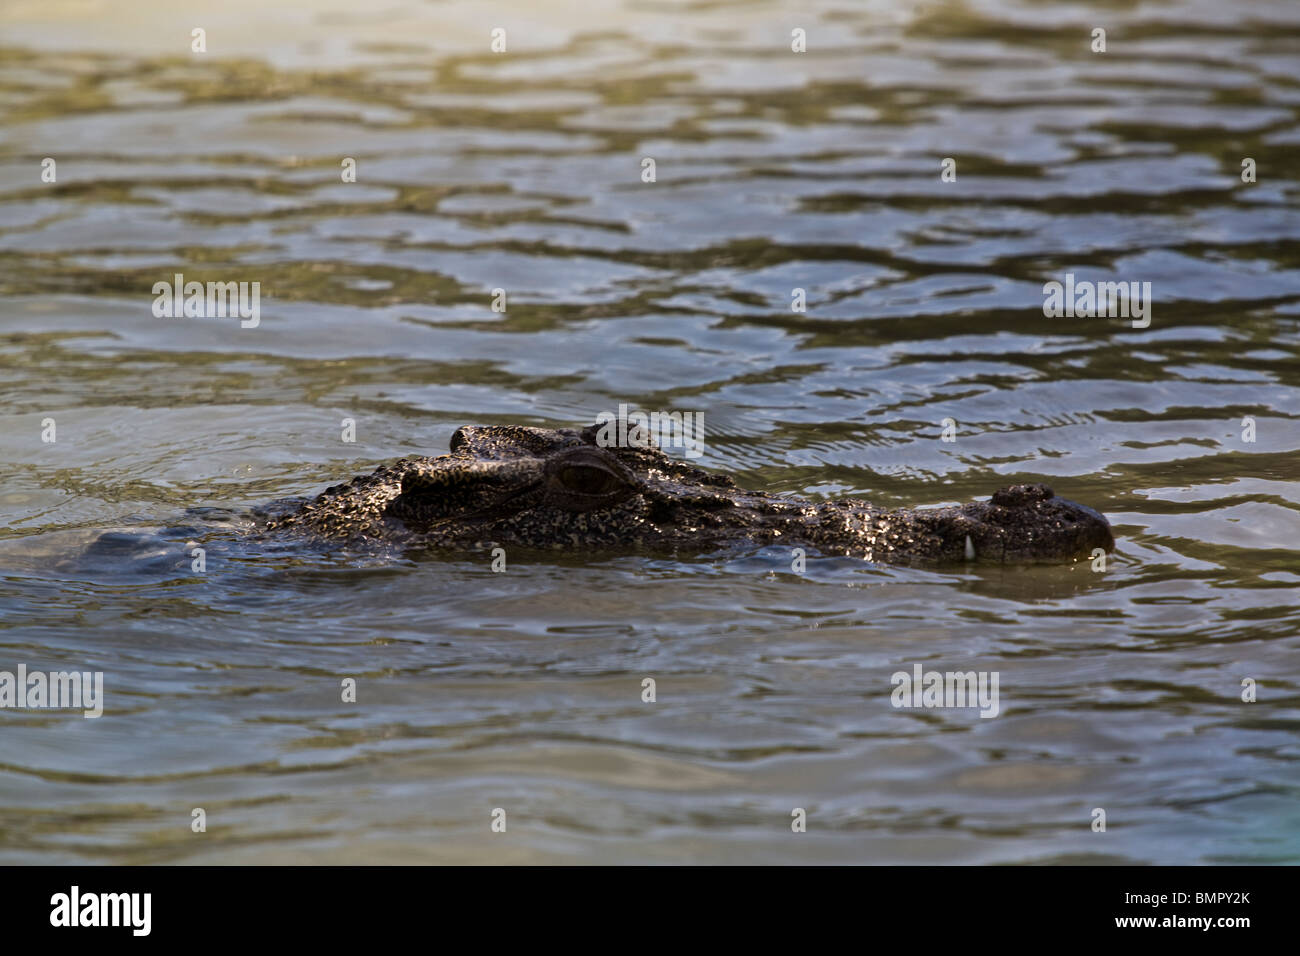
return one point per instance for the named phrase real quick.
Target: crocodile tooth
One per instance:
(970, 549)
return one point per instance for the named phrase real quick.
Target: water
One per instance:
(1120, 690)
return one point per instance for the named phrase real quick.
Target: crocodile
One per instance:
(566, 488)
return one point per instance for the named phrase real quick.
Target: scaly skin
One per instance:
(535, 488)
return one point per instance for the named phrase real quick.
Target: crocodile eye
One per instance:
(587, 480)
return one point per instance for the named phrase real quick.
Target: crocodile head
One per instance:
(567, 489)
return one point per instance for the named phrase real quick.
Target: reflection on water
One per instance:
(774, 171)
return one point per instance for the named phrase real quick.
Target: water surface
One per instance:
(775, 170)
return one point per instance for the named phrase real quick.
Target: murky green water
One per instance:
(775, 170)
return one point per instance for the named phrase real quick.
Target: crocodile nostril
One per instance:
(1015, 496)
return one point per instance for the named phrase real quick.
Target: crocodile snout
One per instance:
(1027, 523)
